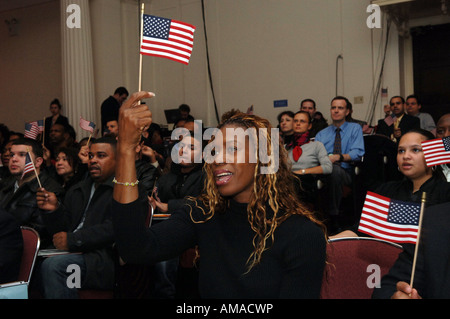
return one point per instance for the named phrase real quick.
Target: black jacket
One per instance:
(95, 238)
(432, 276)
(407, 123)
(23, 206)
(174, 186)
(147, 174)
(11, 248)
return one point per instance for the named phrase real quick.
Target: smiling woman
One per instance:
(256, 239)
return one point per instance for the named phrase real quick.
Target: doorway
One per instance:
(431, 65)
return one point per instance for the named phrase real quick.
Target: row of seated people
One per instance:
(49, 201)
(80, 181)
(372, 151)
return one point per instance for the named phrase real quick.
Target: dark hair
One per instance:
(36, 147)
(425, 133)
(308, 100)
(121, 91)
(413, 96)
(106, 140)
(397, 96)
(72, 156)
(184, 108)
(56, 102)
(348, 105)
(5, 133)
(288, 113)
(306, 113)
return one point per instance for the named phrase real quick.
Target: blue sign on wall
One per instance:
(280, 103)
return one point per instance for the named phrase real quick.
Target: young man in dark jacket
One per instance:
(82, 226)
(185, 178)
(18, 196)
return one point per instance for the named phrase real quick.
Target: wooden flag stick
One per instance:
(43, 133)
(34, 168)
(422, 209)
(89, 139)
(140, 44)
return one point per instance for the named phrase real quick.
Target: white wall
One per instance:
(263, 51)
(260, 51)
(30, 71)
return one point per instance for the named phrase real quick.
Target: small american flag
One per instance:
(87, 125)
(29, 166)
(384, 92)
(367, 129)
(390, 119)
(390, 219)
(39, 124)
(167, 38)
(436, 151)
(31, 131)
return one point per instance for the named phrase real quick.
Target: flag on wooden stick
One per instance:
(87, 125)
(390, 219)
(167, 38)
(436, 151)
(29, 167)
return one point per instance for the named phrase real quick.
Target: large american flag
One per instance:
(390, 219)
(436, 151)
(167, 38)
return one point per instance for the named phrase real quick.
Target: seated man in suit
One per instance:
(400, 122)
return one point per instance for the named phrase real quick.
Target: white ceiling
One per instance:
(7, 5)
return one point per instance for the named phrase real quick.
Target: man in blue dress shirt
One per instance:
(344, 143)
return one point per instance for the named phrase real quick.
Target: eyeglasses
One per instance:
(396, 103)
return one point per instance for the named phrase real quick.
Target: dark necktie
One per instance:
(337, 142)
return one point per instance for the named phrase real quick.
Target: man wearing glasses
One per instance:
(397, 122)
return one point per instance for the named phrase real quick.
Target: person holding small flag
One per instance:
(249, 248)
(398, 122)
(418, 178)
(18, 196)
(431, 275)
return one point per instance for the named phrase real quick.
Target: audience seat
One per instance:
(31, 244)
(355, 265)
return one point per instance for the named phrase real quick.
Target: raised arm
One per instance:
(133, 119)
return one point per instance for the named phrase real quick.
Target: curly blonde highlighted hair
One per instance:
(275, 190)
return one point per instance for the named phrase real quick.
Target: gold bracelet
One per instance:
(125, 184)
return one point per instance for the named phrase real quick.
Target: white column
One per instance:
(77, 64)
